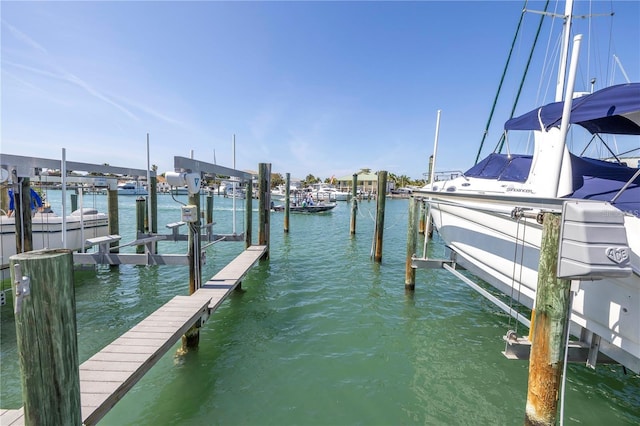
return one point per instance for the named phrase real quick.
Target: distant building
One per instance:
(367, 182)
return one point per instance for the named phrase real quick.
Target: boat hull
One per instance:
(46, 230)
(505, 253)
(319, 208)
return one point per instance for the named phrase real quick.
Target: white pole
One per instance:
(233, 186)
(149, 217)
(564, 54)
(431, 178)
(435, 148)
(63, 173)
(556, 162)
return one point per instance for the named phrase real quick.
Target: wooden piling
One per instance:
(264, 205)
(354, 203)
(153, 205)
(22, 215)
(248, 215)
(430, 171)
(422, 215)
(74, 201)
(209, 209)
(549, 330)
(412, 241)
(287, 191)
(140, 219)
(4, 198)
(114, 222)
(379, 229)
(193, 250)
(46, 333)
(191, 339)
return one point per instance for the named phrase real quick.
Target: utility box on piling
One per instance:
(189, 213)
(593, 241)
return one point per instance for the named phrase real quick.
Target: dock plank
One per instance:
(109, 374)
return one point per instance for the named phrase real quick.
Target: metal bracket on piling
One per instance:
(579, 351)
(23, 287)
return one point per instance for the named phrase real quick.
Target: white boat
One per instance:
(477, 213)
(279, 193)
(231, 192)
(324, 192)
(307, 209)
(46, 231)
(132, 187)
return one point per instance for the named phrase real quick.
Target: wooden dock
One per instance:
(108, 375)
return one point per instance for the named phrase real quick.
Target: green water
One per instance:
(321, 335)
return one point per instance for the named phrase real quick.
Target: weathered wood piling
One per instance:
(153, 206)
(264, 205)
(379, 228)
(412, 237)
(191, 338)
(45, 318)
(354, 203)
(248, 219)
(140, 219)
(22, 215)
(287, 202)
(549, 330)
(74, 201)
(114, 222)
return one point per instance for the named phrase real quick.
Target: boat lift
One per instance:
(190, 173)
(581, 220)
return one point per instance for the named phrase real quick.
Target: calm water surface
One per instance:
(320, 335)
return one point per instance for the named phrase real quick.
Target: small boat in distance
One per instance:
(315, 208)
(132, 187)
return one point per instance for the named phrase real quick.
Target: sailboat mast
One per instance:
(564, 54)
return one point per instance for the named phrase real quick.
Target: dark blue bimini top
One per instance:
(608, 111)
(513, 168)
(601, 180)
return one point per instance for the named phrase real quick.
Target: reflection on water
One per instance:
(322, 335)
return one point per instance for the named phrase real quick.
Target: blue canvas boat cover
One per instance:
(513, 168)
(613, 110)
(601, 180)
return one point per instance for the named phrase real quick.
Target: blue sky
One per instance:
(322, 88)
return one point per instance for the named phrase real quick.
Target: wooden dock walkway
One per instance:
(108, 375)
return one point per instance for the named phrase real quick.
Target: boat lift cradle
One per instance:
(575, 215)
